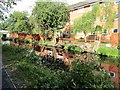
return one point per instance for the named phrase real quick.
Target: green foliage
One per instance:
(86, 75)
(13, 54)
(27, 41)
(16, 40)
(107, 11)
(81, 75)
(109, 60)
(86, 22)
(98, 28)
(110, 13)
(113, 51)
(75, 49)
(34, 25)
(96, 10)
(3, 26)
(18, 22)
(118, 47)
(50, 15)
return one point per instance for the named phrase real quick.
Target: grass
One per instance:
(105, 43)
(109, 51)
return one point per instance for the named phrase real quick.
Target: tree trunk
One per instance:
(85, 36)
(100, 37)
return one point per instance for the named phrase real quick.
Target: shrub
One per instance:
(81, 75)
(16, 40)
(27, 41)
(84, 75)
(118, 47)
(75, 49)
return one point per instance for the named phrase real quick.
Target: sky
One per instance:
(27, 5)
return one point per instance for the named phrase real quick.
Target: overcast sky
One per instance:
(27, 5)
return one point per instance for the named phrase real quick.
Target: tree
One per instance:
(34, 25)
(86, 22)
(18, 22)
(3, 26)
(110, 14)
(107, 14)
(5, 5)
(50, 15)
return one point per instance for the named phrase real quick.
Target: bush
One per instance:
(84, 75)
(118, 47)
(27, 41)
(81, 75)
(16, 40)
(75, 49)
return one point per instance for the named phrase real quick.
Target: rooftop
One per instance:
(83, 4)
